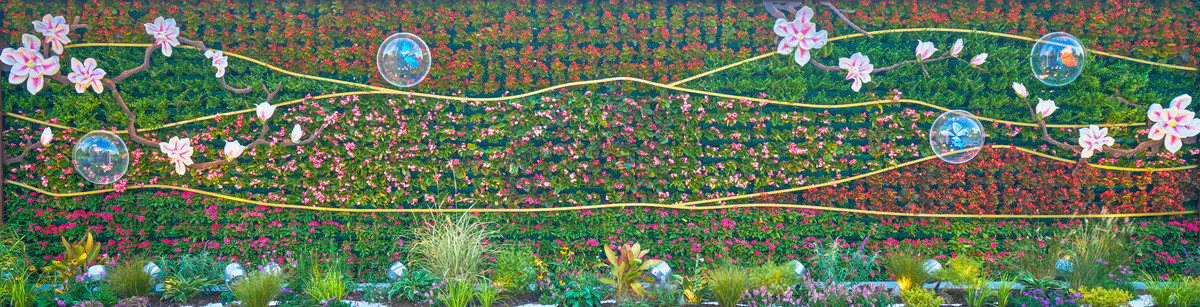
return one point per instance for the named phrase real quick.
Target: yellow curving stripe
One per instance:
(739, 63)
(679, 206)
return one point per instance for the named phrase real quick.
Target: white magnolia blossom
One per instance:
(979, 59)
(28, 65)
(165, 33)
(1093, 139)
(800, 35)
(55, 29)
(1045, 107)
(958, 47)
(179, 152)
(47, 136)
(233, 150)
(1020, 89)
(858, 68)
(219, 60)
(264, 110)
(925, 50)
(296, 133)
(1173, 124)
(85, 74)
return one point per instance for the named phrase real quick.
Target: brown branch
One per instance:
(131, 129)
(1149, 145)
(233, 89)
(140, 68)
(897, 65)
(846, 20)
(20, 157)
(1118, 97)
(262, 137)
(1046, 133)
(75, 25)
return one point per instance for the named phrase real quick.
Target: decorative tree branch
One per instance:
(150, 52)
(133, 132)
(777, 9)
(20, 157)
(1046, 134)
(1152, 146)
(262, 138)
(1118, 97)
(894, 66)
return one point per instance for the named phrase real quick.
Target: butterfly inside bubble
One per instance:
(408, 55)
(956, 133)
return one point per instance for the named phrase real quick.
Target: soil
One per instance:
(199, 300)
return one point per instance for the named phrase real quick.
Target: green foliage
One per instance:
(257, 289)
(962, 270)
(1098, 252)
(1004, 290)
(487, 294)
(1188, 291)
(514, 270)
(127, 279)
(907, 270)
(415, 286)
(16, 290)
(458, 292)
(666, 296)
(454, 248)
(692, 287)
(628, 270)
(775, 277)
(728, 282)
(1100, 297)
(839, 263)
(189, 275)
(579, 294)
(921, 298)
(326, 284)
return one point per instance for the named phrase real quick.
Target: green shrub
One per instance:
(727, 283)
(127, 279)
(1100, 297)
(458, 292)
(257, 289)
(843, 264)
(17, 291)
(920, 298)
(326, 284)
(666, 296)
(514, 270)
(961, 270)
(454, 248)
(1162, 292)
(415, 286)
(907, 270)
(579, 294)
(1097, 252)
(627, 270)
(189, 275)
(487, 294)
(1188, 292)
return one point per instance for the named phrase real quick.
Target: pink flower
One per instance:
(957, 48)
(1173, 124)
(55, 31)
(1045, 107)
(264, 110)
(233, 150)
(179, 152)
(1020, 89)
(47, 136)
(85, 74)
(979, 59)
(800, 35)
(1094, 139)
(165, 33)
(858, 68)
(219, 60)
(925, 50)
(28, 64)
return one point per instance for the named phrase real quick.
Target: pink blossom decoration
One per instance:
(165, 33)
(85, 74)
(1173, 124)
(858, 68)
(55, 30)
(219, 60)
(1094, 139)
(957, 48)
(28, 64)
(925, 50)
(47, 136)
(1045, 107)
(979, 59)
(800, 35)
(179, 152)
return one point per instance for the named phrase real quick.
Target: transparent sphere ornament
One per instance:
(956, 136)
(101, 157)
(1057, 58)
(403, 59)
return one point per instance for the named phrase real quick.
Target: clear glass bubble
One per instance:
(1057, 58)
(956, 136)
(403, 59)
(101, 157)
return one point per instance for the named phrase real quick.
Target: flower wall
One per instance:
(603, 143)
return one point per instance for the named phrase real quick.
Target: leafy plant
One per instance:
(1100, 297)
(257, 289)
(183, 288)
(1162, 292)
(189, 275)
(1096, 252)
(666, 296)
(75, 255)
(628, 270)
(514, 270)
(728, 283)
(578, 294)
(921, 298)
(458, 292)
(776, 278)
(128, 279)
(326, 284)
(827, 293)
(1004, 290)
(416, 286)
(977, 294)
(907, 270)
(1188, 291)
(841, 264)
(487, 294)
(1044, 283)
(454, 248)
(16, 290)
(692, 287)
(961, 270)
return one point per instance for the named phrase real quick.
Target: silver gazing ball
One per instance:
(96, 272)
(1064, 265)
(931, 266)
(152, 269)
(272, 268)
(798, 268)
(396, 271)
(233, 272)
(661, 272)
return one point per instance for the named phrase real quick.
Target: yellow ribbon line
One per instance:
(680, 206)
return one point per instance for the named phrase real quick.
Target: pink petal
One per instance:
(15, 78)
(34, 84)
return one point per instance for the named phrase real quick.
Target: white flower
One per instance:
(85, 74)
(264, 110)
(1173, 124)
(47, 136)
(1045, 107)
(858, 68)
(179, 152)
(219, 60)
(165, 33)
(925, 50)
(1094, 139)
(800, 35)
(979, 59)
(958, 46)
(296, 133)
(1020, 88)
(28, 64)
(233, 150)
(55, 30)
